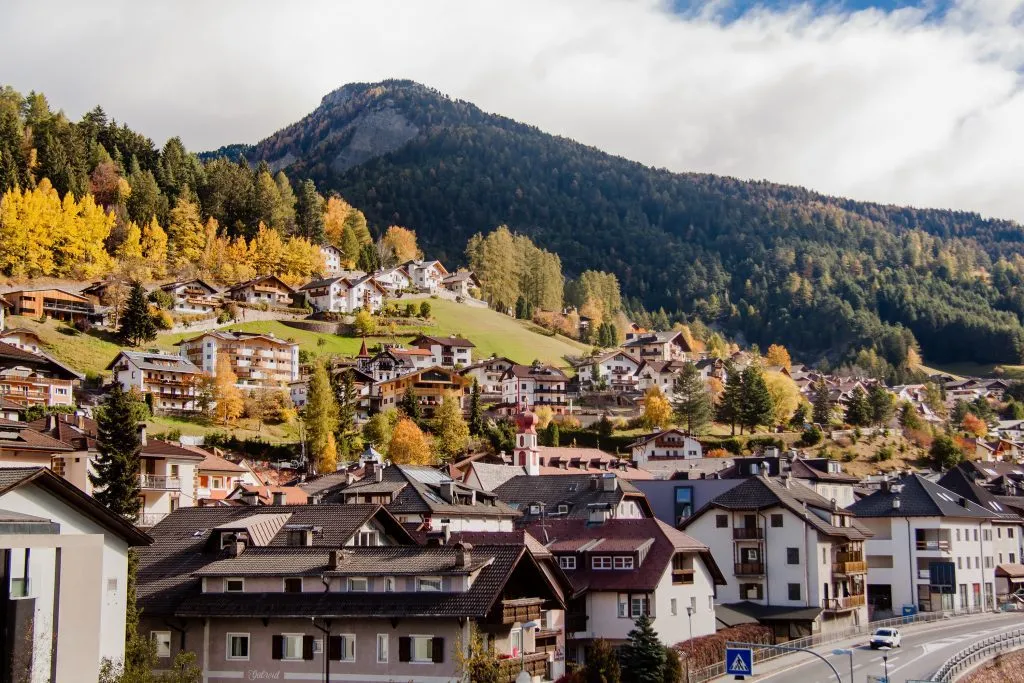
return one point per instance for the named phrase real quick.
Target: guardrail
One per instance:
(716, 670)
(977, 652)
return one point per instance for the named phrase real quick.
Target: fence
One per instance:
(978, 652)
(761, 655)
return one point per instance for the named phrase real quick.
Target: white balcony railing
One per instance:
(160, 482)
(149, 519)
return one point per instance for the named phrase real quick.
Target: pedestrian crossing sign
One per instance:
(739, 661)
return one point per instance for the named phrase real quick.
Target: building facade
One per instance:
(258, 360)
(170, 381)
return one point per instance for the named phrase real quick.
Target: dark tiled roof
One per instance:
(160, 448)
(918, 498)
(257, 280)
(422, 495)
(65, 428)
(150, 361)
(11, 355)
(957, 481)
(392, 560)
(539, 372)
(19, 436)
(809, 469)
(575, 490)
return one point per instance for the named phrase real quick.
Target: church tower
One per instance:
(527, 454)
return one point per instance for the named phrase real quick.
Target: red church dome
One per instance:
(527, 421)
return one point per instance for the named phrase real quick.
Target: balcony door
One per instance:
(750, 521)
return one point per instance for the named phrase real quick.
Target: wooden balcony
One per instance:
(535, 664)
(510, 612)
(843, 604)
(847, 568)
(742, 533)
(682, 576)
(749, 568)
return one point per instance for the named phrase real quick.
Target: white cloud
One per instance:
(895, 107)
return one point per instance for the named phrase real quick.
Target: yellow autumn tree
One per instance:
(237, 257)
(154, 247)
(130, 250)
(186, 234)
(300, 259)
(777, 355)
(334, 219)
(657, 409)
(266, 250)
(402, 242)
(80, 248)
(230, 401)
(785, 396)
(24, 238)
(409, 445)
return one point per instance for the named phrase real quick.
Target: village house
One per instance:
(268, 289)
(28, 378)
(461, 283)
(667, 444)
(395, 280)
(826, 478)
(525, 386)
(6, 308)
(394, 361)
(614, 370)
(23, 446)
(932, 549)
(658, 373)
(24, 339)
(795, 561)
(193, 297)
(663, 346)
(299, 590)
(255, 495)
(621, 569)
(425, 275)
(345, 294)
(488, 375)
(429, 386)
(58, 304)
(447, 352)
(216, 478)
(333, 258)
(258, 360)
(168, 382)
(63, 555)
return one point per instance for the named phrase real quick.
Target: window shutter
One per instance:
(277, 647)
(334, 648)
(307, 647)
(437, 645)
(405, 649)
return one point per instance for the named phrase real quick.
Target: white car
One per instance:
(886, 637)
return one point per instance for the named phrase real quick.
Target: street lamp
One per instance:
(840, 651)
(885, 661)
(689, 643)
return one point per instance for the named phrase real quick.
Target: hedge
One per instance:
(705, 651)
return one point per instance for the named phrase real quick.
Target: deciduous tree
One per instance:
(401, 242)
(229, 400)
(657, 409)
(320, 417)
(451, 433)
(779, 356)
(409, 445)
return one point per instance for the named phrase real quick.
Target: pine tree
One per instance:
(643, 655)
(692, 402)
(451, 433)
(731, 403)
(137, 324)
(310, 213)
(369, 259)
(116, 477)
(409, 404)
(320, 417)
(858, 410)
(348, 400)
(602, 664)
(476, 414)
(822, 403)
(758, 408)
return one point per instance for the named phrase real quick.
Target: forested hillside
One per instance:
(776, 263)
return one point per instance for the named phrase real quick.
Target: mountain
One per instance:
(777, 263)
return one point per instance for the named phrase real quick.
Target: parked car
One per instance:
(886, 637)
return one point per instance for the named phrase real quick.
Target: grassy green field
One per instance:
(243, 429)
(968, 369)
(491, 332)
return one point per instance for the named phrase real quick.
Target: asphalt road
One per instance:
(923, 651)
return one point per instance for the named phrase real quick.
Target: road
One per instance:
(924, 650)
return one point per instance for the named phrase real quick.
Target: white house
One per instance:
(787, 552)
(426, 275)
(671, 345)
(170, 380)
(395, 280)
(333, 258)
(267, 289)
(668, 444)
(447, 352)
(488, 374)
(345, 294)
(65, 573)
(658, 373)
(615, 369)
(193, 296)
(932, 549)
(535, 385)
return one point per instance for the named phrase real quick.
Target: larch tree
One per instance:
(451, 433)
(401, 242)
(691, 401)
(657, 409)
(409, 445)
(777, 355)
(115, 475)
(154, 247)
(785, 396)
(226, 394)
(137, 324)
(320, 416)
(283, 216)
(186, 234)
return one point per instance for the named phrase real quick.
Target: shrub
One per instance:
(883, 454)
(850, 456)
(717, 453)
(705, 651)
(163, 320)
(425, 310)
(83, 325)
(764, 442)
(223, 317)
(810, 437)
(734, 446)
(162, 299)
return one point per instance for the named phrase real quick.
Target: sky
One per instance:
(881, 100)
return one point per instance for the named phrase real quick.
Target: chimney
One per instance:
(80, 421)
(336, 559)
(447, 491)
(51, 422)
(446, 534)
(895, 503)
(378, 474)
(236, 547)
(369, 468)
(142, 434)
(463, 555)
(278, 497)
(598, 513)
(609, 482)
(250, 497)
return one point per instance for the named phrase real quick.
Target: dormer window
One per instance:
(299, 537)
(293, 584)
(625, 562)
(563, 509)
(601, 562)
(358, 584)
(567, 562)
(234, 585)
(535, 509)
(367, 538)
(428, 583)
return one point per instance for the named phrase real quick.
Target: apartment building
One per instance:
(258, 360)
(1007, 527)
(34, 378)
(666, 444)
(394, 361)
(488, 374)
(345, 294)
(447, 352)
(429, 386)
(932, 548)
(170, 381)
(63, 555)
(615, 370)
(657, 346)
(342, 591)
(192, 297)
(621, 569)
(268, 289)
(792, 559)
(535, 385)
(58, 304)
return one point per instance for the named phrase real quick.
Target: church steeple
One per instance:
(527, 452)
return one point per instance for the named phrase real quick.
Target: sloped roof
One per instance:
(258, 280)
(575, 490)
(538, 372)
(19, 436)
(957, 481)
(453, 340)
(492, 476)
(9, 353)
(421, 493)
(804, 469)
(918, 498)
(151, 361)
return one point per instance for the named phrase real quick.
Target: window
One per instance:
(293, 585)
(672, 606)
(535, 509)
(291, 646)
(297, 536)
(794, 591)
(601, 562)
(238, 646)
(234, 585)
(986, 535)
(776, 520)
(359, 584)
(999, 532)
(623, 562)
(958, 534)
(515, 641)
(959, 563)
(342, 648)
(1009, 532)
(975, 534)
(422, 649)
(382, 648)
(367, 538)
(162, 642)
(684, 502)
(1013, 559)
(389, 584)
(567, 562)
(428, 583)
(563, 509)
(721, 521)
(751, 591)
(792, 555)
(632, 606)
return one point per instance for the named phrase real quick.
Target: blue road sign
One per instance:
(739, 661)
